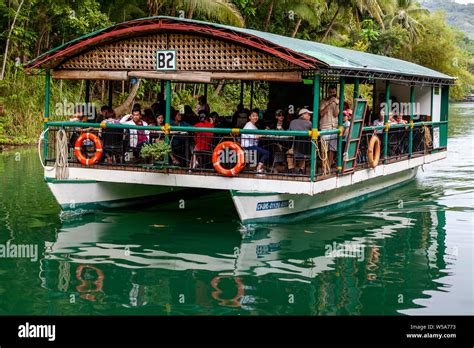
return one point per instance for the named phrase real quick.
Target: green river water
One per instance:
(415, 250)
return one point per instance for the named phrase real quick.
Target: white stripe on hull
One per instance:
(90, 195)
(257, 184)
(255, 207)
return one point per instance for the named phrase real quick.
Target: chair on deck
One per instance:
(301, 151)
(113, 144)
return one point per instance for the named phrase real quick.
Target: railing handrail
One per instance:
(227, 130)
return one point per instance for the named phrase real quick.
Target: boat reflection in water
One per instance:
(351, 263)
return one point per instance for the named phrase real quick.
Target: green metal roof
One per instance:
(342, 58)
(334, 57)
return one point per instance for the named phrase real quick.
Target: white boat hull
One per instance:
(254, 207)
(93, 195)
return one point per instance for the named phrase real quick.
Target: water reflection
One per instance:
(378, 262)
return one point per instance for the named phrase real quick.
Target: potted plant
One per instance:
(156, 152)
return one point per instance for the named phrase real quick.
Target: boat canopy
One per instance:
(217, 51)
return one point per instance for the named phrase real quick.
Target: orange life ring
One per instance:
(98, 149)
(373, 151)
(234, 302)
(240, 158)
(99, 282)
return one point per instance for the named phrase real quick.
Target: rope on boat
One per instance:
(61, 164)
(428, 139)
(323, 155)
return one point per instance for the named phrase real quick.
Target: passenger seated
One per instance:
(300, 146)
(178, 120)
(400, 119)
(149, 117)
(380, 121)
(280, 121)
(202, 140)
(137, 138)
(178, 143)
(391, 119)
(189, 116)
(203, 105)
(240, 117)
(250, 141)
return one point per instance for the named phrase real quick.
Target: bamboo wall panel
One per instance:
(194, 53)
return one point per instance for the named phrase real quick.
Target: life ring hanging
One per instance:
(240, 158)
(234, 302)
(373, 151)
(78, 151)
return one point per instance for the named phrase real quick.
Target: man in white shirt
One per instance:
(250, 141)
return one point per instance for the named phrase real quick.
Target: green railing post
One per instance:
(168, 102)
(387, 111)
(339, 123)
(412, 110)
(167, 113)
(314, 132)
(443, 129)
(46, 113)
(356, 89)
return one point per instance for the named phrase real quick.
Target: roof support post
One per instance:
(110, 90)
(46, 113)
(251, 95)
(356, 88)
(167, 113)
(241, 92)
(388, 107)
(339, 123)
(88, 91)
(314, 132)
(412, 110)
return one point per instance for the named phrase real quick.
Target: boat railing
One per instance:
(282, 147)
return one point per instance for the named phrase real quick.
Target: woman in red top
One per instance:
(202, 140)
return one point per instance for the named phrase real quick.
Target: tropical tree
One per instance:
(223, 11)
(8, 40)
(356, 9)
(407, 14)
(309, 11)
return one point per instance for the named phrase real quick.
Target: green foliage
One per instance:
(438, 50)
(23, 99)
(396, 28)
(157, 150)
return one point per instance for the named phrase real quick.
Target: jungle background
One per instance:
(434, 33)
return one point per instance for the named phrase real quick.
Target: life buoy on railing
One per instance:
(234, 302)
(98, 283)
(78, 151)
(373, 151)
(240, 158)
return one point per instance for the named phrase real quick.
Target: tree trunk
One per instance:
(219, 87)
(331, 24)
(191, 9)
(8, 39)
(297, 27)
(269, 16)
(126, 105)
